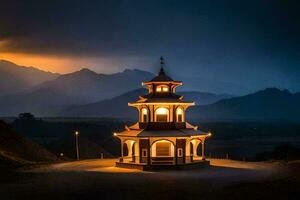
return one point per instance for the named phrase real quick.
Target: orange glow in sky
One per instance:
(46, 63)
(58, 64)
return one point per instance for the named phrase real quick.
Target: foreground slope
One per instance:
(16, 149)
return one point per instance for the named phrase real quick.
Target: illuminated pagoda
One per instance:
(161, 137)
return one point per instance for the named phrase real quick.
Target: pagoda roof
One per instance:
(162, 77)
(161, 98)
(135, 131)
(161, 133)
(162, 95)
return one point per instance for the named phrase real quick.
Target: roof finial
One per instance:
(162, 64)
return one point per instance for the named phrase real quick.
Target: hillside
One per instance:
(81, 87)
(15, 78)
(91, 87)
(117, 107)
(16, 149)
(203, 98)
(268, 104)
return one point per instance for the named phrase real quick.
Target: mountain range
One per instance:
(15, 78)
(117, 106)
(268, 104)
(48, 94)
(85, 93)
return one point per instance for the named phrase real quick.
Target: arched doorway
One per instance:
(162, 151)
(129, 150)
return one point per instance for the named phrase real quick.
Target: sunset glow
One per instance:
(58, 64)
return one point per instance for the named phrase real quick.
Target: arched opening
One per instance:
(191, 148)
(196, 149)
(144, 115)
(125, 149)
(179, 114)
(199, 149)
(129, 151)
(161, 115)
(162, 148)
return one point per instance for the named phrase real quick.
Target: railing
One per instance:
(162, 125)
(161, 160)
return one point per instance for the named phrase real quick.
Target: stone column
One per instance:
(203, 153)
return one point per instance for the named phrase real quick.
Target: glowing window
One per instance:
(144, 115)
(162, 88)
(179, 115)
(162, 114)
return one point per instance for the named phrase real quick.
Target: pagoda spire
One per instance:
(162, 64)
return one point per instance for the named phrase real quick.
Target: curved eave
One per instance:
(134, 104)
(162, 82)
(162, 133)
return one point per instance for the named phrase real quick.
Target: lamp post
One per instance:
(76, 144)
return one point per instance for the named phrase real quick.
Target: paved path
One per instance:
(99, 179)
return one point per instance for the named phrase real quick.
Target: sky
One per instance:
(246, 44)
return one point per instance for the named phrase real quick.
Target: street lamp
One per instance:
(77, 145)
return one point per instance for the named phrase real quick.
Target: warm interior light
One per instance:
(162, 88)
(161, 111)
(179, 111)
(115, 134)
(144, 111)
(76, 133)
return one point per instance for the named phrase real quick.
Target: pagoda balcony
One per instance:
(162, 125)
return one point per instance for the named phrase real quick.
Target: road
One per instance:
(99, 179)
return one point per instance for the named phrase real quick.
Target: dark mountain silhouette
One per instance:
(117, 107)
(268, 104)
(91, 87)
(41, 102)
(15, 78)
(16, 150)
(203, 98)
(81, 87)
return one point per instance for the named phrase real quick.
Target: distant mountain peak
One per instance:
(81, 72)
(84, 69)
(6, 62)
(274, 90)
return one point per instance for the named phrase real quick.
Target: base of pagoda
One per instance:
(156, 167)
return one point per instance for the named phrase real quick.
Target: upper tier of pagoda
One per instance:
(161, 89)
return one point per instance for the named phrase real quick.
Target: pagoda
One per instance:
(161, 137)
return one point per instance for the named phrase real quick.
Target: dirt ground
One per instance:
(99, 179)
